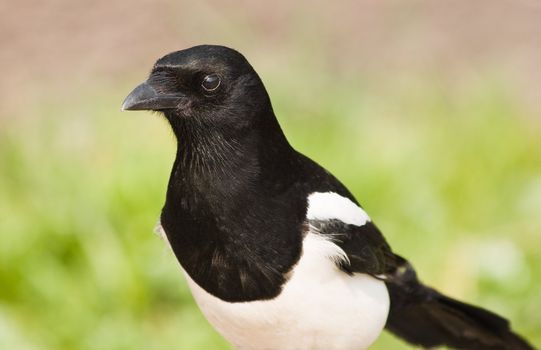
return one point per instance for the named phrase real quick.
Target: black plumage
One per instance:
(235, 211)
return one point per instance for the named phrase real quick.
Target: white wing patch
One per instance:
(330, 205)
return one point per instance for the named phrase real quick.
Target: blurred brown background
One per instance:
(61, 44)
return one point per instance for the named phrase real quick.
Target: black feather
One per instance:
(425, 317)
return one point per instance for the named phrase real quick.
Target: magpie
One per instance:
(277, 252)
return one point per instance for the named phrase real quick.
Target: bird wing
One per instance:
(366, 248)
(418, 314)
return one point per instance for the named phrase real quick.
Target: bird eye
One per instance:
(211, 82)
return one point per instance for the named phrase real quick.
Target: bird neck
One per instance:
(216, 160)
(223, 187)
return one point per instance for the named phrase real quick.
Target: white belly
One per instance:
(320, 307)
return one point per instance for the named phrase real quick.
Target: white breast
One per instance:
(320, 306)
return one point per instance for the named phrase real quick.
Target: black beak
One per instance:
(145, 97)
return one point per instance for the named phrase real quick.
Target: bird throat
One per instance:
(217, 201)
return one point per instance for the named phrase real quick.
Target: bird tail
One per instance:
(427, 318)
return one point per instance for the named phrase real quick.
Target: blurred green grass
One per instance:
(451, 176)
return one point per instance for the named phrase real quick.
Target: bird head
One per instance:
(207, 84)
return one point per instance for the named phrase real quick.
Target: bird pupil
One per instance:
(211, 82)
